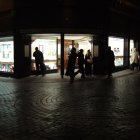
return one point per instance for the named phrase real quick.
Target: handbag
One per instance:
(90, 60)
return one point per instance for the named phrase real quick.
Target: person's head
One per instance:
(88, 51)
(109, 47)
(36, 48)
(73, 50)
(81, 50)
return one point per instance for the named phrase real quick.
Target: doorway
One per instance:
(79, 41)
(50, 45)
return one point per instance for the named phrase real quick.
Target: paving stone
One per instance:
(50, 108)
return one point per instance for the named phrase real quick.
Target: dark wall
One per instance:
(114, 16)
(6, 21)
(22, 63)
(59, 13)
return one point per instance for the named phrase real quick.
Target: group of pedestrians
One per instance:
(85, 63)
(70, 71)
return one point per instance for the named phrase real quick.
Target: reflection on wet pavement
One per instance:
(106, 109)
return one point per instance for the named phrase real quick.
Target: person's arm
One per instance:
(34, 54)
(113, 56)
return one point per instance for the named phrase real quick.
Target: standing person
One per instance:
(71, 64)
(39, 61)
(110, 57)
(81, 62)
(135, 59)
(88, 63)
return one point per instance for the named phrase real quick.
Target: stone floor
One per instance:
(50, 108)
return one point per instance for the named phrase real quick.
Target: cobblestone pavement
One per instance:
(41, 108)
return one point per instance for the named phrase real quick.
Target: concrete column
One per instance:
(62, 55)
(18, 54)
(22, 56)
(126, 61)
(101, 43)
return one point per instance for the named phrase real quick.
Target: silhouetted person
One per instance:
(81, 62)
(88, 63)
(39, 61)
(71, 64)
(110, 57)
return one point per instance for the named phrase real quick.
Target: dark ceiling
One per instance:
(117, 15)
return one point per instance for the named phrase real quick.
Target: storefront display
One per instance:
(49, 48)
(50, 45)
(117, 46)
(78, 44)
(131, 49)
(85, 45)
(6, 56)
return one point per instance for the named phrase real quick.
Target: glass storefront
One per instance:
(131, 49)
(85, 45)
(49, 49)
(6, 55)
(50, 45)
(117, 46)
(79, 42)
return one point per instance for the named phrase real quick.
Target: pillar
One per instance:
(100, 43)
(62, 55)
(22, 55)
(126, 58)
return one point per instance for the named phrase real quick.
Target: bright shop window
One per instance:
(131, 49)
(117, 46)
(85, 45)
(49, 48)
(7, 56)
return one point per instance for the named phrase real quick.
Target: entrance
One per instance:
(79, 41)
(50, 45)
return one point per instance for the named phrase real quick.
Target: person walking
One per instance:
(81, 62)
(71, 64)
(88, 63)
(39, 61)
(110, 57)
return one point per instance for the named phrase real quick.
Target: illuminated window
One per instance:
(48, 47)
(131, 49)
(117, 46)
(6, 56)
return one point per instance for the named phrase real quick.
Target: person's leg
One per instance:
(71, 79)
(109, 71)
(78, 71)
(37, 68)
(132, 66)
(43, 68)
(137, 66)
(72, 75)
(90, 70)
(82, 70)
